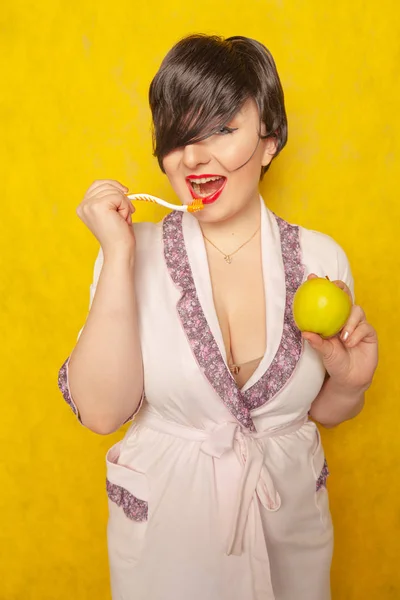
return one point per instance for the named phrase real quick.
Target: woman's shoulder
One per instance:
(317, 242)
(148, 236)
(323, 255)
(147, 229)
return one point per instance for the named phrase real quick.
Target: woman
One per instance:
(218, 490)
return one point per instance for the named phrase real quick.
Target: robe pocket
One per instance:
(321, 473)
(126, 487)
(128, 495)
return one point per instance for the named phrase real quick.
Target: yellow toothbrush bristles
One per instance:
(196, 205)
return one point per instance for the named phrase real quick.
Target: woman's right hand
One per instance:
(107, 212)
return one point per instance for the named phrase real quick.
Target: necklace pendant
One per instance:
(227, 259)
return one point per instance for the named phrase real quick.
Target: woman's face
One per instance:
(224, 169)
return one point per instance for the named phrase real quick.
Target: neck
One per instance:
(238, 226)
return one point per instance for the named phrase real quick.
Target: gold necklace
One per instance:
(228, 257)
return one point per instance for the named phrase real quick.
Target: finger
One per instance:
(325, 347)
(109, 192)
(344, 287)
(363, 333)
(124, 212)
(93, 193)
(357, 316)
(99, 182)
(314, 276)
(105, 187)
(130, 208)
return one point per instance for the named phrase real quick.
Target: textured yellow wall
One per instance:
(75, 77)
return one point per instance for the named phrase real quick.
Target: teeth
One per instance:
(199, 194)
(205, 179)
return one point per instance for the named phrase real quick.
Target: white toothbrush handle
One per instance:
(180, 207)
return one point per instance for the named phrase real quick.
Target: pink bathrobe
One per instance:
(217, 492)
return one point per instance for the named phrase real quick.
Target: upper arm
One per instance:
(98, 265)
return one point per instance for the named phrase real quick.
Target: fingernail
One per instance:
(345, 336)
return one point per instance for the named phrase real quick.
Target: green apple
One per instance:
(320, 306)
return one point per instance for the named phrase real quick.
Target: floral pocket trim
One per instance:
(321, 481)
(134, 508)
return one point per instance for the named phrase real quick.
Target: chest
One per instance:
(239, 301)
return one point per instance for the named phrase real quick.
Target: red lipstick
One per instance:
(212, 197)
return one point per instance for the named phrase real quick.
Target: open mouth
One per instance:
(207, 187)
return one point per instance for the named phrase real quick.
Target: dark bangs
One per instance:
(204, 81)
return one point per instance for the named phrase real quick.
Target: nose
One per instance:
(195, 155)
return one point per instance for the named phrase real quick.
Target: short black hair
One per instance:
(204, 81)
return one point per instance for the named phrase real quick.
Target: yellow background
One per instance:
(75, 77)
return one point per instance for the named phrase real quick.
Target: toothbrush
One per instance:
(196, 205)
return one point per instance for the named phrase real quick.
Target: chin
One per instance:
(216, 214)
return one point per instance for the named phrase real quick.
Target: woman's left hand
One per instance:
(351, 357)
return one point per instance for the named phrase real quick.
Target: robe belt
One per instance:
(255, 477)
